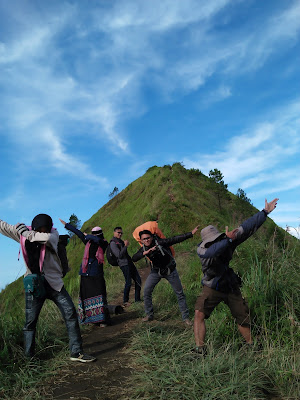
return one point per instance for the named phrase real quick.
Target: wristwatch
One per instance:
(230, 240)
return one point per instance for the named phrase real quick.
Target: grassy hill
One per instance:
(180, 199)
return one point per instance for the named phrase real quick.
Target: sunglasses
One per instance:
(147, 238)
(119, 233)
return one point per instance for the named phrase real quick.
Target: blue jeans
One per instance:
(131, 273)
(175, 282)
(32, 310)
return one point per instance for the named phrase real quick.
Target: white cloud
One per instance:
(161, 16)
(291, 208)
(294, 231)
(58, 157)
(251, 158)
(24, 48)
(101, 86)
(222, 93)
(14, 199)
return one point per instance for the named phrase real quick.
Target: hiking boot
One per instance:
(188, 322)
(199, 351)
(148, 318)
(85, 358)
(255, 347)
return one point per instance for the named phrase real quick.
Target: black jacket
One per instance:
(161, 261)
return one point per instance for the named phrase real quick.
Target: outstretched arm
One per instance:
(72, 228)
(10, 231)
(251, 225)
(269, 207)
(179, 238)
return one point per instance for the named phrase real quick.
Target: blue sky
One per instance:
(95, 92)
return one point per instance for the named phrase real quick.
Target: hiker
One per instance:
(119, 250)
(92, 304)
(220, 283)
(163, 265)
(43, 280)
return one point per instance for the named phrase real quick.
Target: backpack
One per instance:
(111, 258)
(62, 253)
(151, 226)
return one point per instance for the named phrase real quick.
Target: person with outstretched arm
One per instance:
(92, 304)
(220, 282)
(43, 280)
(163, 265)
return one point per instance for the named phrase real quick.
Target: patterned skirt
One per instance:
(92, 303)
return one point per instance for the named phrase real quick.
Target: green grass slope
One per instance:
(268, 262)
(179, 199)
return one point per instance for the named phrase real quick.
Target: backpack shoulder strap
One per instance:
(159, 246)
(24, 251)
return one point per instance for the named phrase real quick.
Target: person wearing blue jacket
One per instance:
(220, 282)
(92, 304)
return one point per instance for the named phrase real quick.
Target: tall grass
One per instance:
(180, 199)
(166, 368)
(24, 378)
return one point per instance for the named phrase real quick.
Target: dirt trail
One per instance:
(106, 378)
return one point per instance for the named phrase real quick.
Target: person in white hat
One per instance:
(220, 282)
(92, 304)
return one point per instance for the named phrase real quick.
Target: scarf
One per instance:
(99, 256)
(25, 255)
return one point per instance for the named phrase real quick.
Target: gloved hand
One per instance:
(20, 227)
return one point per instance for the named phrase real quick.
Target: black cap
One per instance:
(42, 220)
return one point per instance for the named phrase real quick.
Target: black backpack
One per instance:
(62, 253)
(34, 251)
(111, 258)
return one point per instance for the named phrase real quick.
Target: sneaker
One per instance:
(148, 318)
(126, 304)
(85, 358)
(188, 322)
(102, 325)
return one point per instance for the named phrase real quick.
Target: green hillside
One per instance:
(179, 199)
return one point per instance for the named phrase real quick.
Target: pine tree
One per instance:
(220, 188)
(73, 220)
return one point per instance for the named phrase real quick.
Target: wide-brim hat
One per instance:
(209, 234)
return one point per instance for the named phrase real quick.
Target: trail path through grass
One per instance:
(105, 379)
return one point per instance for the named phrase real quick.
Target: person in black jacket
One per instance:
(163, 265)
(220, 283)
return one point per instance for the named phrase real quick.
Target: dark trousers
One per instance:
(174, 280)
(64, 302)
(131, 273)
